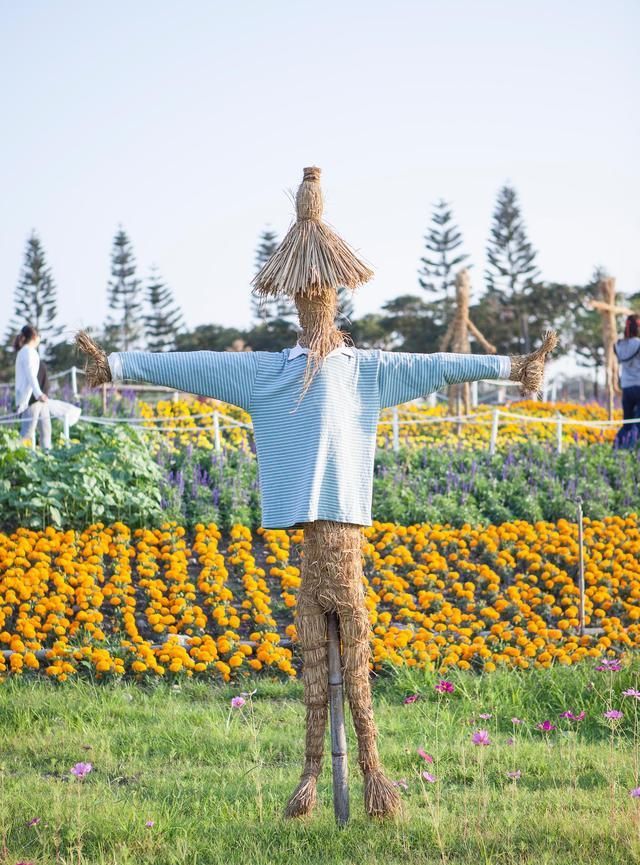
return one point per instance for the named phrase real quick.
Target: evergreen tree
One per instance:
(35, 295)
(587, 334)
(410, 322)
(163, 320)
(511, 273)
(264, 308)
(270, 309)
(125, 291)
(442, 260)
(346, 309)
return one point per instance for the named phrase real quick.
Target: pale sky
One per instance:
(187, 122)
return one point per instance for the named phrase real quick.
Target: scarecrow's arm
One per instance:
(403, 376)
(225, 375)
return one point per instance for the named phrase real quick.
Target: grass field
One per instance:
(214, 780)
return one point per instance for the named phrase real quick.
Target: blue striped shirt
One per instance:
(315, 456)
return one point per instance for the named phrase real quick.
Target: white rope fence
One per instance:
(399, 418)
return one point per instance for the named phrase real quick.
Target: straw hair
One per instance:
(312, 257)
(97, 369)
(528, 369)
(332, 581)
(319, 332)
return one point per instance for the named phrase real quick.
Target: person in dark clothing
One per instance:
(628, 354)
(43, 381)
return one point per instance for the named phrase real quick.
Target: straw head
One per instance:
(312, 258)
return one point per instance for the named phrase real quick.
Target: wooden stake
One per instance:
(338, 731)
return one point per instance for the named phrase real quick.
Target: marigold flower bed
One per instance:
(113, 602)
(189, 421)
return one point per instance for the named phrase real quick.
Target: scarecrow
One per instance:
(609, 310)
(315, 410)
(457, 339)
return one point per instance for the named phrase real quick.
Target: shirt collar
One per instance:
(299, 349)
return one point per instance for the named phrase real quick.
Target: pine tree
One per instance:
(270, 309)
(35, 294)
(264, 308)
(125, 290)
(512, 272)
(443, 259)
(163, 320)
(346, 309)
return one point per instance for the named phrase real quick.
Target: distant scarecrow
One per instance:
(315, 410)
(457, 339)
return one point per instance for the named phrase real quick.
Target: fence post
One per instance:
(174, 398)
(474, 394)
(33, 437)
(580, 567)
(554, 391)
(216, 431)
(74, 381)
(104, 400)
(495, 420)
(65, 428)
(432, 400)
(396, 428)
(559, 433)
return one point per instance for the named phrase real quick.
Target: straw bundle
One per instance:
(97, 369)
(528, 369)
(312, 258)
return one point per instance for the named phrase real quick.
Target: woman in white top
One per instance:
(27, 365)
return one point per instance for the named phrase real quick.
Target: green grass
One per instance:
(214, 781)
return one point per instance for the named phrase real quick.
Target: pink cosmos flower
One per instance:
(569, 714)
(635, 792)
(546, 726)
(515, 775)
(481, 737)
(150, 824)
(517, 721)
(34, 821)
(511, 741)
(402, 783)
(411, 698)
(81, 770)
(237, 702)
(611, 665)
(428, 777)
(445, 687)
(614, 714)
(485, 716)
(422, 753)
(631, 692)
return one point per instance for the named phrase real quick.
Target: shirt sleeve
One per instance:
(33, 365)
(225, 375)
(404, 376)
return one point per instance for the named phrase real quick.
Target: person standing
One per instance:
(628, 353)
(30, 393)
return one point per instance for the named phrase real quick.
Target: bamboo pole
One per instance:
(338, 731)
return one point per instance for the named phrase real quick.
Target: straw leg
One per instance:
(338, 731)
(311, 624)
(380, 796)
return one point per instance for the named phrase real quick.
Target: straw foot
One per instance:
(303, 799)
(528, 369)
(381, 798)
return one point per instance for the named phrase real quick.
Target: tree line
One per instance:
(515, 304)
